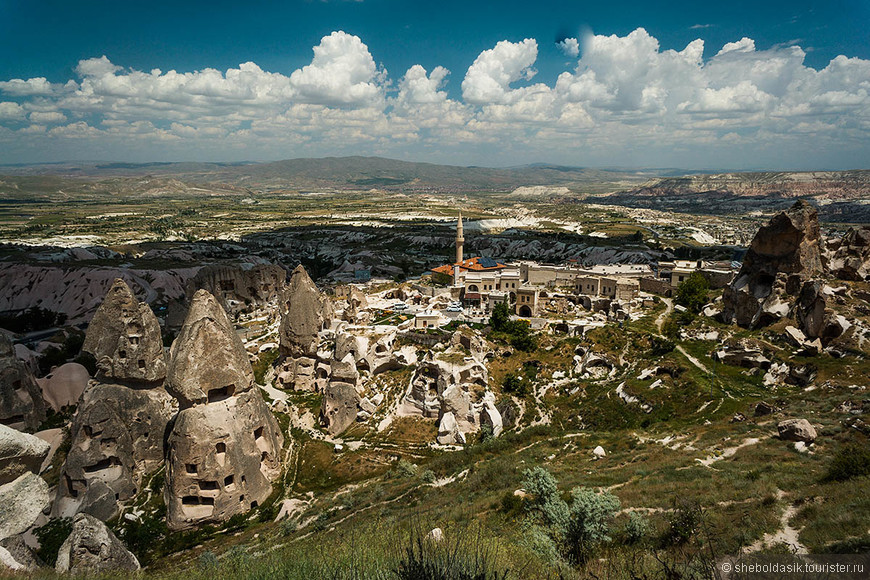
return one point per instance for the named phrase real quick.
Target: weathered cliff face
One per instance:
(21, 403)
(237, 286)
(208, 362)
(92, 548)
(224, 448)
(124, 337)
(784, 253)
(117, 438)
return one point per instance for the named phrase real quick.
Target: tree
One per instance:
(692, 292)
(500, 318)
(589, 521)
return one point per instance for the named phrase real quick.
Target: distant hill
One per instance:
(351, 173)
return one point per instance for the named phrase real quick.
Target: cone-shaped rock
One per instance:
(783, 254)
(124, 336)
(117, 438)
(222, 459)
(92, 548)
(303, 314)
(21, 403)
(207, 362)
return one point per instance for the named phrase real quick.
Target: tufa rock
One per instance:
(339, 407)
(851, 261)
(20, 453)
(117, 438)
(22, 501)
(21, 404)
(796, 430)
(64, 385)
(92, 548)
(236, 287)
(599, 452)
(16, 555)
(221, 461)
(124, 337)
(207, 362)
(304, 313)
(782, 254)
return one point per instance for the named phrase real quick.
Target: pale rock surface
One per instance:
(304, 313)
(21, 503)
(21, 404)
(64, 385)
(208, 362)
(222, 459)
(19, 453)
(16, 555)
(235, 286)
(782, 254)
(124, 337)
(796, 430)
(339, 408)
(851, 261)
(599, 452)
(117, 438)
(92, 548)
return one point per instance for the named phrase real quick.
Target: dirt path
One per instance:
(660, 321)
(785, 535)
(693, 360)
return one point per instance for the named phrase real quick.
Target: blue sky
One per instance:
(634, 89)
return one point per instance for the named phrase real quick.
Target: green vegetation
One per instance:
(692, 292)
(850, 461)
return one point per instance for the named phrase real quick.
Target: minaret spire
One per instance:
(460, 239)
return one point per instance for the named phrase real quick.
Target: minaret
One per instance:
(460, 239)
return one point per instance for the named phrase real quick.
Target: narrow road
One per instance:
(660, 321)
(693, 360)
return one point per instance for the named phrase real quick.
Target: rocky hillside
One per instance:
(840, 195)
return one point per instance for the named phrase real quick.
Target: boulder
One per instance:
(796, 430)
(22, 501)
(117, 438)
(92, 548)
(344, 371)
(762, 409)
(783, 253)
(124, 337)
(743, 357)
(300, 374)
(339, 407)
(15, 554)
(490, 417)
(851, 260)
(435, 535)
(222, 458)
(64, 385)
(599, 452)
(21, 404)
(20, 453)
(449, 432)
(304, 313)
(207, 362)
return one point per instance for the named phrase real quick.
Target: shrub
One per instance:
(512, 504)
(428, 476)
(515, 385)
(848, 462)
(405, 468)
(636, 528)
(51, 537)
(546, 504)
(692, 292)
(685, 521)
(537, 541)
(589, 521)
(458, 559)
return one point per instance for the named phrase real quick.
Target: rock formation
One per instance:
(851, 260)
(117, 438)
(796, 430)
(208, 362)
(225, 445)
(339, 407)
(120, 424)
(92, 548)
(21, 404)
(23, 494)
(783, 254)
(64, 385)
(304, 313)
(238, 286)
(124, 336)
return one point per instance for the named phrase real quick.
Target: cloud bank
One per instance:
(622, 101)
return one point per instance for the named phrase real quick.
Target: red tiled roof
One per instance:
(472, 264)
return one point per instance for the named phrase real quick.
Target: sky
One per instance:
(639, 83)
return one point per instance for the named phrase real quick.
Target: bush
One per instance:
(546, 503)
(515, 385)
(636, 529)
(589, 521)
(457, 559)
(685, 521)
(848, 462)
(405, 468)
(537, 541)
(428, 476)
(692, 292)
(51, 537)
